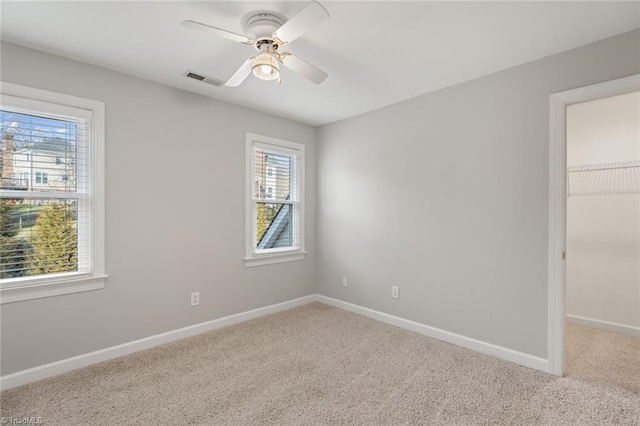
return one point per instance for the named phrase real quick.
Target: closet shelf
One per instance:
(604, 179)
(603, 166)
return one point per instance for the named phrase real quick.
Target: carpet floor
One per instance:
(316, 365)
(604, 357)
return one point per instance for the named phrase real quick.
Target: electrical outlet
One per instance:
(195, 299)
(395, 292)
(345, 281)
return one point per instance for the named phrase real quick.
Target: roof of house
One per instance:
(279, 231)
(55, 145)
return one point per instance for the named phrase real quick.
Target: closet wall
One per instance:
(603, 213)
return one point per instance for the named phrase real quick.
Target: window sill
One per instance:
(48, 288)
(268, 259)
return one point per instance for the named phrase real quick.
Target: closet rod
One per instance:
(576, 169)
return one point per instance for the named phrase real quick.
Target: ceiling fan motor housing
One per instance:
(261, 26)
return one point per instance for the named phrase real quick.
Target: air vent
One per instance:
(203, 78)
(195, 76)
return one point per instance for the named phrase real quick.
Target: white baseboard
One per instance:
(604, 325)
(63, 366)
(466, 342)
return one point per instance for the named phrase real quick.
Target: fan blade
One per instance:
(310, 16)
(219, 31)
(304, 68)
(243, 72)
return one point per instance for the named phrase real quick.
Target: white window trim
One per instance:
(53, 285)
(279, 255)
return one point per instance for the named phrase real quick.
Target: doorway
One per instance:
(558, 192)
(602, 330)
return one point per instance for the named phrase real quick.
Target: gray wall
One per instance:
(446, 196)
(174, 216)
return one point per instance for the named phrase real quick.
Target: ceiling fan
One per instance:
(268, 32)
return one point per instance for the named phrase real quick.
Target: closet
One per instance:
(603, 214)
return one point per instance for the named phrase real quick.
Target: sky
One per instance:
(34, 129)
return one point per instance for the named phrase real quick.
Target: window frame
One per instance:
(253, 258)
(38, 100)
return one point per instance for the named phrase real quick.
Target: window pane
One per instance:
(37, 152)
(274, 226)
(274, 175)
(38, 237)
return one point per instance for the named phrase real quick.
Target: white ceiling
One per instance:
(376, 53)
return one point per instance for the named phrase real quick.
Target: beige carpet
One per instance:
(600, 356)
(316, 365)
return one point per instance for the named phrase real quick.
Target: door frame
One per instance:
(558, 203)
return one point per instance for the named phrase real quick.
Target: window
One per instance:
(275, 194)
(51, 194)
(41, 177)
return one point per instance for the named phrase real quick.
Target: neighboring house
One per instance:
(49, 165)
(272, 176)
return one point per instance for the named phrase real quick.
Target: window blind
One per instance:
(44, 194)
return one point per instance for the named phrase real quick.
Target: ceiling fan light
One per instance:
(265, 66)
